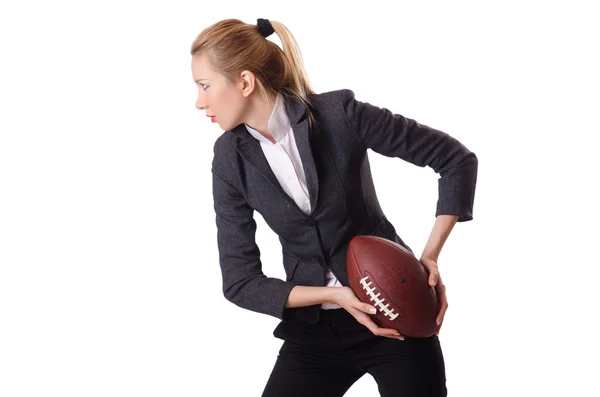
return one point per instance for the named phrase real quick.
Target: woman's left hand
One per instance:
(435, 280)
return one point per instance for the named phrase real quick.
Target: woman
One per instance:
(300, 160)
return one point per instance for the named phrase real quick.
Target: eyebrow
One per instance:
(199, 80)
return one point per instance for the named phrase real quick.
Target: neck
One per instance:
(259, 113)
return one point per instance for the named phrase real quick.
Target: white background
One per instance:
(110, 282)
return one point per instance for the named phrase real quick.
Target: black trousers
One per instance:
(325, 359)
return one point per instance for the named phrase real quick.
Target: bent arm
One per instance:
(244, 283)
(393, 135)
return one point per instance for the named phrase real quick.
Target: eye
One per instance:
(204, 86)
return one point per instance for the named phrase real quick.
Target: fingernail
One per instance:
(401, 338)
(373, 310)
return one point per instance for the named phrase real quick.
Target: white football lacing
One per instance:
(375, 298)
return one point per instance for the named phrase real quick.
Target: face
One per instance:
(218, 97)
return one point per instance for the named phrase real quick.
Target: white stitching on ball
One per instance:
(375, 298)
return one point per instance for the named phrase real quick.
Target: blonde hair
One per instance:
(233, 46)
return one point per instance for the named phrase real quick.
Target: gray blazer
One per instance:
(342, 195)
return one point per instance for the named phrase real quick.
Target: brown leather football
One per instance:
(388, 276)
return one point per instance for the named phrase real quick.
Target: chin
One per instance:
(224, 126)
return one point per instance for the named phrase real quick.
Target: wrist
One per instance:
(429, 256)
(330, 294)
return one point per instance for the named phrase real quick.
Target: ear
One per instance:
(247, 82)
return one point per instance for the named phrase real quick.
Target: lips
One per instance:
(212, 118)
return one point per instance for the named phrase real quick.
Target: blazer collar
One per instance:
(250, 149)
(294, 109)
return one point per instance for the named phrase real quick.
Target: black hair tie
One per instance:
(264, 27)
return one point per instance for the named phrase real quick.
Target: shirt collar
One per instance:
(279, 123)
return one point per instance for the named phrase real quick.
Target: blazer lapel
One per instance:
(250, 149)
(308, 162)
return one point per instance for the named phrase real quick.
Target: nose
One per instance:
(200, 106)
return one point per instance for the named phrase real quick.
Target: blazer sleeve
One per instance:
(244, 283)
(393, 135)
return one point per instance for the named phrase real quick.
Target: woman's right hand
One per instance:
(347, 299)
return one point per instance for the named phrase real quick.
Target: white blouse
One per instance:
(284, 159)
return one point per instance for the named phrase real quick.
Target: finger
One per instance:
(365, 307)
(433, 278)
(365, 320)
(437, 330)
(443, 308)
(394, 333)
(431, 267)
(388, 333)
(440, 317)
